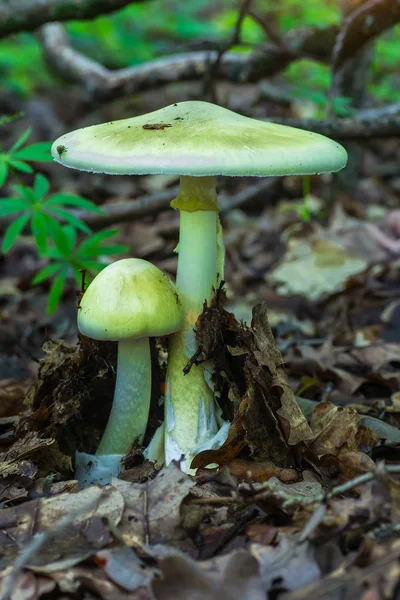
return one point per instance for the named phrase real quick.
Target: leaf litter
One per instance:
(302, 504)
(263, 522)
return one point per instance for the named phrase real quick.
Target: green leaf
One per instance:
(13, 232)
(39, 151)
(59, 237)
(10, 118)
(20, 141)
(41, 186)
(71, 219)
(9, 206)
(97, 238)
(45, 273)
(70, 233)
(56, 290)
(39, 231)
(3, 172)
(70, 200)
(25, 192)
(19, 165)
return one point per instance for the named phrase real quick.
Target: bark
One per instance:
(28, 15)
(103, 83)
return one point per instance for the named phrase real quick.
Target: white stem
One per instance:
(189, 401)
(130, 409)
(197, 263)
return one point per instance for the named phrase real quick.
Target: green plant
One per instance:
(53, 227)
(15, 158)
(68, 257)
(41, 211)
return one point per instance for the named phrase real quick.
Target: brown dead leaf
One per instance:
(11, 492)
(349, 581)
(249, 368)
(316, 267)
(31, 455)
(352, 464)
(153, 508)
(71, 398)
(333, 427)
(12, 395)
(292, 421)
(234, 577)
(339, 437)
(31, 587)
(260, 471)
(85, 534)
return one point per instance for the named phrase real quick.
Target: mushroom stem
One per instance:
(130, 409)
(189, 400)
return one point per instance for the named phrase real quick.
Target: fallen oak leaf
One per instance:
(352, 464)
(292, 421)
(334, 428)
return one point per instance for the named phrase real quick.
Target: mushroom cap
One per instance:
(130, 298)
(198, 139)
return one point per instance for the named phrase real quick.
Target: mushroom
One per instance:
(129, 301)
(197, 141)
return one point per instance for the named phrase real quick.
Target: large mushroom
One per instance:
(128, 302)
(197, 141)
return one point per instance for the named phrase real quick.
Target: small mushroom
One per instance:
(129, 301)
(201, 141)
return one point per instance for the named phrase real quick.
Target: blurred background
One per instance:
(323, 252)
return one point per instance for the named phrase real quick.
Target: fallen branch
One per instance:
(27, 15)
(127, 212)
(103, 83)
(381, 122)
(300, 500)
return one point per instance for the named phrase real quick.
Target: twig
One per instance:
(146, 525)
(27, 15)
(212, 71)
(360, 480)
(273, 36)
(368, 20)
(289, 500)
(383, 122)
(212, 551)
(127, 212)
(103, 83)
(320, 509)
(41, 539)
(312, 523)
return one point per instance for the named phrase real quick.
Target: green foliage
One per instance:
(22, 68)
(68, 256)
(15, 158)
(53, 227)
(146, 30)
(40, 210)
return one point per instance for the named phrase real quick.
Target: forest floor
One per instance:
(316, 517)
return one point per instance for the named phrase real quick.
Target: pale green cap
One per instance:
(198, 139)
(130, 298)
